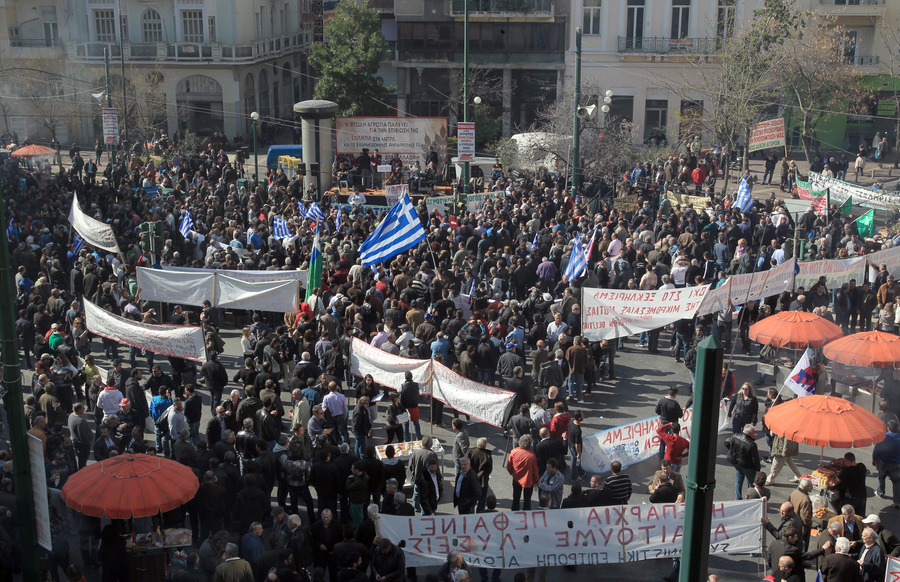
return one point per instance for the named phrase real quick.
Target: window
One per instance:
(850, 43)
(655, 117)
(212, 28)
(48, 19)
(192, 25)
(725, 19)
(151, 26)
(591, 17)
(621, 108)
(105, 25)
(634, 30)
(681, 16)
(124, 27)
(691, 122)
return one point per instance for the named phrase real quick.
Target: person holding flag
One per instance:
(400, 230)
(744, 201)
(577, 262)
(315, 266)
(187, 223)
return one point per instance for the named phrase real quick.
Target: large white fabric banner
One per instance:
(92, 231)
(480, 401)
(634, 442)
(164, 340)
(749, 287)
(612, 313)
(176, 286)
(889, 258)
(249, 276)
(387, 369)
(569, 537)
(234, 293)
(836, 272)
(840, 191)
(892, 572)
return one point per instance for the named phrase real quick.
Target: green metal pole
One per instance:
(255, 157)
(122, 61)
(106, 62)
(465, 105)
(701, 475)
(576, 121)
(15, 410)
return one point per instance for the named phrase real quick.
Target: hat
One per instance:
(428, 316)
(404, 326)
(872, 518)
(511, 345)
(124, 401)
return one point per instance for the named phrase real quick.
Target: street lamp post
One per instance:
(255, 117)
(465, 110)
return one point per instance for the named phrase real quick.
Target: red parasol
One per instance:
(130, 486)
(795, 329)
(825, 421)
(873, 349)
(31, 151)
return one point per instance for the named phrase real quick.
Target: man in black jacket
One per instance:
(216, 379)
(744, 455)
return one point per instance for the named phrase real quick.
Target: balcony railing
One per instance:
(661, 45)
(865, 61)
(34, 42)
(193, 51)
(852, 2)
(490, 7)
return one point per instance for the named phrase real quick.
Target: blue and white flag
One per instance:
(77, 243)
(315, 212)
(577, 261)
(801, 380)
(10, 231)
(187, 223)
(744, 201)
(472, 288)
(400, 230)
(337, 219)
(301, 209)
(280, 229)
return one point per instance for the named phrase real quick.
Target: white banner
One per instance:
(465, 145)
(163, 340)
(393, 193)
(892, 572)
(387, 369)
(608, 313)
(749, 287)
(836, 272)
(474, 202)
(765, 135)
(485, 403)
(409, 137)
(176, 287)
(634, 442)
(92, 231)
(39, 490)
(249, 276)
(110, 117)
(888, 257)
(234, 293)
(570, 537)
(840, 191)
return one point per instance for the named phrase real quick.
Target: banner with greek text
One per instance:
(92, 231)
(609, 313)
(163, 340)
(474, 202)
(387, 369)
(741, 289)
(393, 193)
(889, 258)
(892, 572)
(699, 202)
(485, 403)
(841, 191)
(569, 537)
(836, 272)
(634, 442)
(766, 134)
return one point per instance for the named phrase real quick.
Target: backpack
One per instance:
(162, 423)
(733, 456)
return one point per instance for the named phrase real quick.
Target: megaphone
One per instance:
(586, 112)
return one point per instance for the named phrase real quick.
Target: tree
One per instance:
(43, 87)
(349, 61)
(891, 41)
(819, 78)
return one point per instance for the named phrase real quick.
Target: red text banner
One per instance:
(612, 313)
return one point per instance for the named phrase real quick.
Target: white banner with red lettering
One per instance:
(836, 272)
(163, 340)
(741, 289)
(612, 313)
(480, 401)
(892, 572)
(634, 442)
(393, 193)
(569, 537)
(387, 369)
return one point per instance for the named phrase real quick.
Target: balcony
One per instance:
(865, 61)
(502, 8)
(193, 52)
(382, 6)
(670, 46)
(852, 7)
(33, 48)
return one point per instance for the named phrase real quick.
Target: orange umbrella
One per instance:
(825, 421)
(130, 486)
(31, 151)
(873, 349)
(795, 329)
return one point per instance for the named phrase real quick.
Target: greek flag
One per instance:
(744, 201)
(187, 223)
(301, 209)
(280, 229)
(315, 212)
(10, 230)
(337, 220)
(399, 231)
(77, 243)
(577, 261)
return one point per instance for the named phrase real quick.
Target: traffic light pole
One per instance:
(15, 410)
(576, 121)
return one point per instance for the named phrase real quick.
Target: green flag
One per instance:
(847, 207)
(314, 278)
(866, 224)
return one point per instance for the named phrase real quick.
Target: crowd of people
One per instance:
(289, 415)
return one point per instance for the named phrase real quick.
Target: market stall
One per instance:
(795, 330)
(865, 354)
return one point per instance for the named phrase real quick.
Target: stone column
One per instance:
(316, 133)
